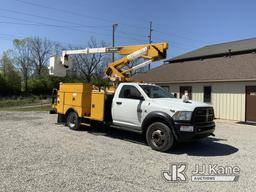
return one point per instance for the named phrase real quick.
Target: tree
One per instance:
(22, 57)
(99, 74)
(3, 86)
(40, 52)
(91, 66)
(10, 76)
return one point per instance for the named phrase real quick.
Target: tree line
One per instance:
(24, 67)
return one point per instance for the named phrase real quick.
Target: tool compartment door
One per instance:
(97, 106)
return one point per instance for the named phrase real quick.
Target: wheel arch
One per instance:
(158, 116)
(62, 118)
(71, 109)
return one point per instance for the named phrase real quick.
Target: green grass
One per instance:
(37, 108)
(6, 102)
(24, 104)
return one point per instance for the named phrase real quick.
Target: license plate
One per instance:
(187, 128)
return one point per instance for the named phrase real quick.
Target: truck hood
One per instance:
(178, 104)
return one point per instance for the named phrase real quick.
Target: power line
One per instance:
(77, 25)
(61, 10)
(39, 24)
(70, 12)
(131, 37)
(12, 37)
(118, 36)
(124, 36)
(132, 34)
(174, 34)
(53, 19)
(97, 18)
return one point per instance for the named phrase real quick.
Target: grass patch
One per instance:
(22, 101)
(25, 109)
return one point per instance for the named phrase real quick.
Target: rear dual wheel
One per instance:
(159, 137)
(73, 120)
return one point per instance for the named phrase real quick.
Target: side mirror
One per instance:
(141, 98)
(138, 97)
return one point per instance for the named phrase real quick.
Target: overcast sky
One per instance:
(184, 24)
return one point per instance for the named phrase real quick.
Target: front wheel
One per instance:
(159, 137)
(73, 120)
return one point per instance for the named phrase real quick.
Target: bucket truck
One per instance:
(139, 107)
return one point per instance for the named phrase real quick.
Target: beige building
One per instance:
(223, 75)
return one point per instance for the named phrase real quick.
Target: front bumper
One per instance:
(199, 131)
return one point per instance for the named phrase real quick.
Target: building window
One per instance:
(186, 89)
(208, 94)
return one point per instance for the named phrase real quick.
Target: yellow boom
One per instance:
(120, 70)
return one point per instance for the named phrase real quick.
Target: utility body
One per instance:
(139, 107)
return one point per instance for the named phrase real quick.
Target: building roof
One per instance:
(226, 68)
(228, 48)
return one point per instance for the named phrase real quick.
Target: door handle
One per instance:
(118, 103)
(139, 110)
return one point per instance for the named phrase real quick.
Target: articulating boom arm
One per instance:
(119, 70)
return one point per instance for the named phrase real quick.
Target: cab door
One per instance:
(128, 107)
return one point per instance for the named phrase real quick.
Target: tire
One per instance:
(159, 137)
(73, 121)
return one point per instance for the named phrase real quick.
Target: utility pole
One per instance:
(150, 37)
(114, 26)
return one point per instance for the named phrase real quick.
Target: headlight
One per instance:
(182, 115)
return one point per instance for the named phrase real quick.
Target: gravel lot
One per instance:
(39, 155)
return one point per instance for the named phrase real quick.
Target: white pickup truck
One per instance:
(152, 111)
(164, 119)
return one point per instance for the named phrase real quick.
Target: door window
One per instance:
(130, 92)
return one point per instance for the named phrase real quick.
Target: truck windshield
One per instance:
(153, 91)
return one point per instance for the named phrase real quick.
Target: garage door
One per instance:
(251, 104)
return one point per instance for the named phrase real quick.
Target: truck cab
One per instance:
(149, 109)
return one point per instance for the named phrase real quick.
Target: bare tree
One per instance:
(99, 73)
(32, 55)
(90, 66)
(22, 58)
(41, 50)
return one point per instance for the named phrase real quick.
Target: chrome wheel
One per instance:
(158, 138)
